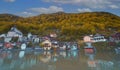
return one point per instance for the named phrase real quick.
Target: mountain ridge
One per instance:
(67, 25)
(7, 14)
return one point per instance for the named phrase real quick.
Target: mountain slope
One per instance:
(74, 17)
(68, 26)
(8, 17)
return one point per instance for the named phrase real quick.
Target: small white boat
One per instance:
(89, 49)
(23, 46)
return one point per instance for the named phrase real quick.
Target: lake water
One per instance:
(74, 60)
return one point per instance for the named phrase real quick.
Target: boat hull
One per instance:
(89, 50)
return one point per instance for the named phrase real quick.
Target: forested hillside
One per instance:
(68, 26)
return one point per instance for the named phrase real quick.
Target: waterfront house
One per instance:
(2, 35)
(70, 46)
(7, 39)
(62, 46)
(55, 45)
(99, 38)
(47, 44)
(29, 36)
(94, 38)
(8, 45)
(36, 40)
(74, 46)
(115, 37)
(88, 39)
(14, 32)
(53, 35)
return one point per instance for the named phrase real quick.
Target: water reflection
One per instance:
(100, 64)
(91, 62)
(63, 60)
(21, 54)
(10, 60)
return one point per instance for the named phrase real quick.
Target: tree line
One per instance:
(68, 26)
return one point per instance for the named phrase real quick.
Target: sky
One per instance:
(28, 8)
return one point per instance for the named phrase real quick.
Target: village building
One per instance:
(7, 39)
(29, 36)
(14, 32)
(115, 37)
(36, 40)
(94, 38)
(53, 35)
(8, 45)
(99, 38)
(2, 35)
(55, 45)
(88, 39)
(47, 44)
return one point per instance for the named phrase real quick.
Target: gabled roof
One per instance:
(14, 29)
(116, 35)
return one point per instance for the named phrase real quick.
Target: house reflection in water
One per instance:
(45, 57)
(99, 64)
(17, 60)
(91, 62)
(63, 60)
(21, 54)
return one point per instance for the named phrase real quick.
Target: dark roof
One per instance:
(116, 35)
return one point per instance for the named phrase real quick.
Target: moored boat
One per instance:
(23, 46)
(89, 49)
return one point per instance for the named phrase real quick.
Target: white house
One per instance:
(47, 44)
(95, 38)
(14, 32)
(29, 36)
(2, 35)
(7, 39)
(36, 40)
(53, 35)
(88, 39)
(99, 38)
